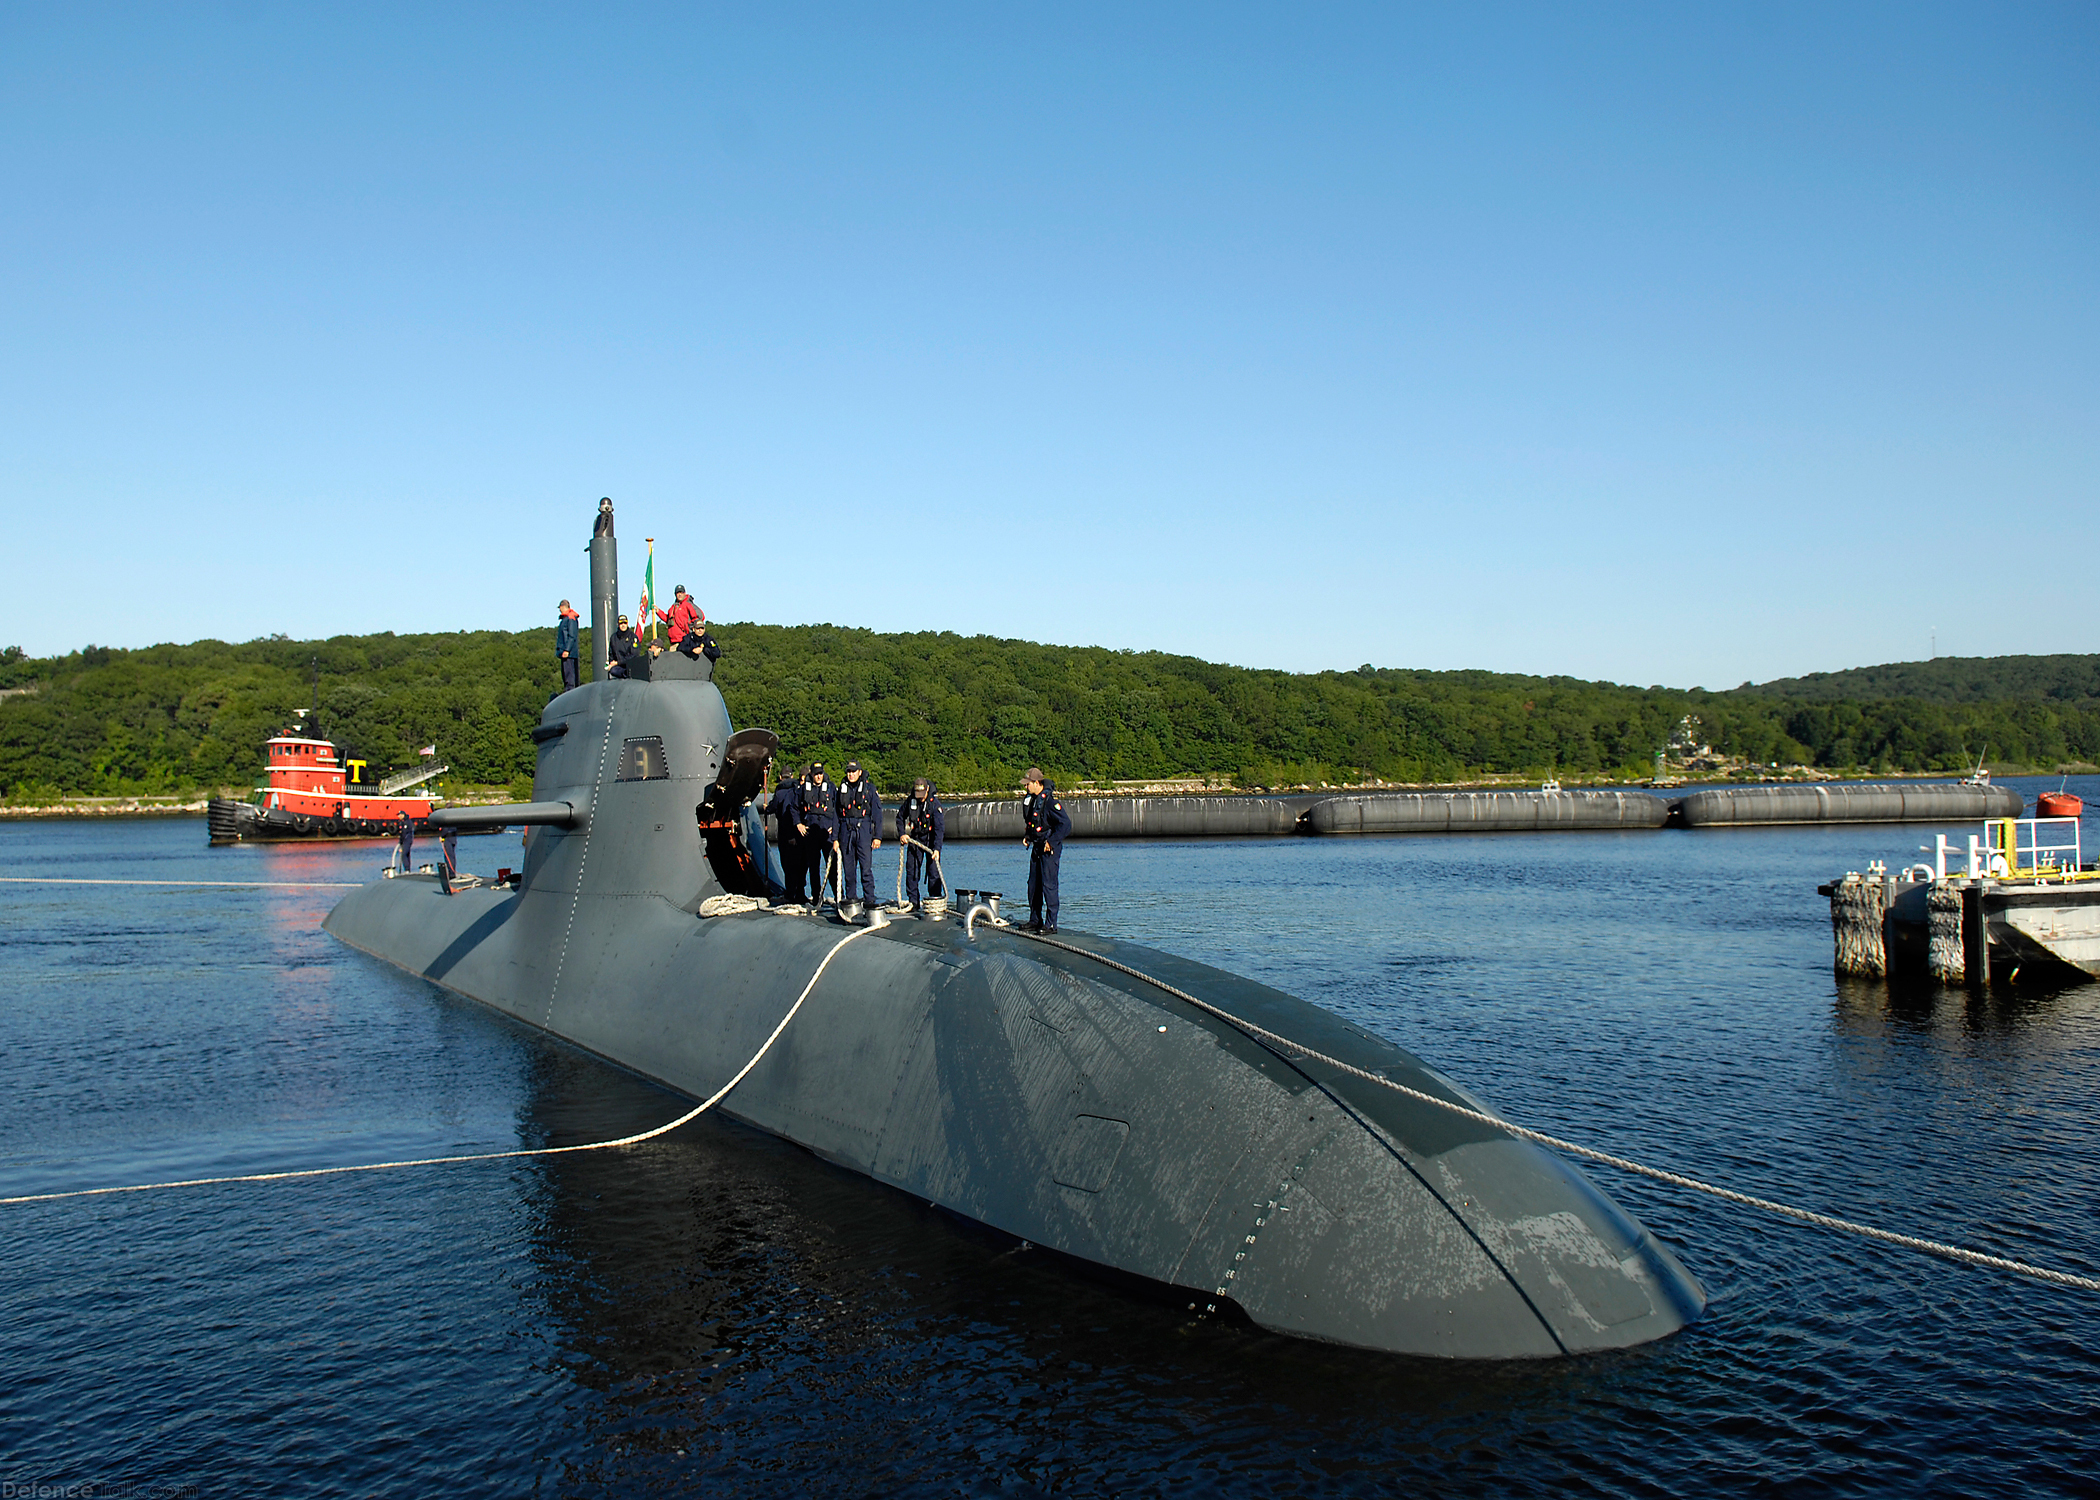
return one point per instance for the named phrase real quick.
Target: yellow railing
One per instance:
(2035, 849)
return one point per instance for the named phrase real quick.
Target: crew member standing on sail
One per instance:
(684, 620)
(565, 644)
(1047, 824)
(860, 834)
(921, 821)
(816, 821)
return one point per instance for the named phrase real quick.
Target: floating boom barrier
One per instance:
(1936, 802)
(1140, 817)
(1528, 811)
(1486, 812)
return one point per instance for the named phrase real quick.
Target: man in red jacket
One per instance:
(683, 616)
(688, 626)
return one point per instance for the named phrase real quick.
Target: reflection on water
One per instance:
(741, 1309)
(2038, 1013)
(720, 1312)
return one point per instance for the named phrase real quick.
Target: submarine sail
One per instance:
(1041, 1090)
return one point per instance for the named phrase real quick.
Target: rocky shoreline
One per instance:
(111, 807)
(177, 805)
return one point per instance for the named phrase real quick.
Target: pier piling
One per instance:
(1858, 917)
(1946, 951)
(1975, 936)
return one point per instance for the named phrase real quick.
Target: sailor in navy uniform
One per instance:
(860, 834)
(698, 642)
(921, 819)
(796, 852)
(1047, 824)
(816, 822)
(625, 651)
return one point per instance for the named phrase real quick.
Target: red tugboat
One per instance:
(311, 791)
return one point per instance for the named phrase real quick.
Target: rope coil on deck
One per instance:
(438, 1161)
(1590, 1153)
(731, 906)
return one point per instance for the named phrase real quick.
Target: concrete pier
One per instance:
(1961, 931)
(1884, 925)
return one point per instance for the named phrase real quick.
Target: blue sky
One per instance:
(1660, 344)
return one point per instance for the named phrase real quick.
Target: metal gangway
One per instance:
(403, 780)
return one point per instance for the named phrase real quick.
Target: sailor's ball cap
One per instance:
(853, 765)
(816, 766)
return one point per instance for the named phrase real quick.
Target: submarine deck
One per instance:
(1070, 1104)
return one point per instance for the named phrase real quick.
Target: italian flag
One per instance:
(641, 621)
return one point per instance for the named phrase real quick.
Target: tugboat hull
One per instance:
(231, 822)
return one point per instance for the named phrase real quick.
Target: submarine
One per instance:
(1155, 1118)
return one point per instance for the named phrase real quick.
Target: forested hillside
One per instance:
(973, 711)
(1949, 679)
(172, 717)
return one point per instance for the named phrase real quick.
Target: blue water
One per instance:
(719, 1313)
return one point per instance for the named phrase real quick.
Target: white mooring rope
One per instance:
(439, 1161)
(1539, 1137)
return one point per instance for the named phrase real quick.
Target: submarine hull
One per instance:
(1024, 1085)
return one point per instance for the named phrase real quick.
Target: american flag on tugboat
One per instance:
(428, 750)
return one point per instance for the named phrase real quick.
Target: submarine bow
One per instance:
(1032, 1088)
